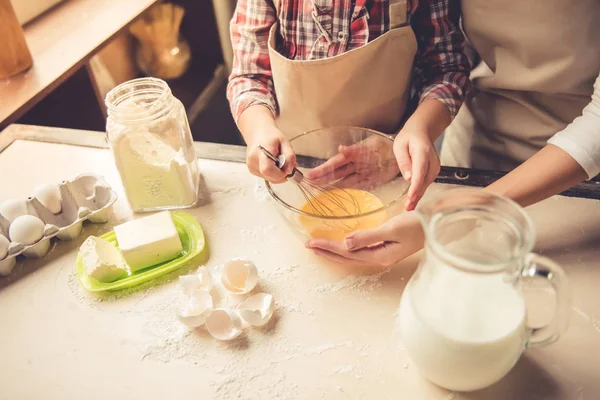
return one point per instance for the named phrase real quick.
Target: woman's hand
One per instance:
(258, 128)
(385, 246)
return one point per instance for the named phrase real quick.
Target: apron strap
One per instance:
(398, 14)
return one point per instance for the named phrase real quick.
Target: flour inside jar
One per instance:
(153, 173)
(152, 145)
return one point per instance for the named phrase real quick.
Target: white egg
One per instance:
(49, 196)
(4, 243)
(11, 209)
(26, 230)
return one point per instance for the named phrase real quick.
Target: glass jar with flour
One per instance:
(152, 144)
(463, 314)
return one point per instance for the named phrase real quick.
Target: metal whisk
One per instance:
(314, 193)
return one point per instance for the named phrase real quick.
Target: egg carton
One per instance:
(87, 197)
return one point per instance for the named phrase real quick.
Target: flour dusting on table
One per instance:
(364, 284)
(262, 363)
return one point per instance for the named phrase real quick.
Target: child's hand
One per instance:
(418, 162)
(259, 129)
(275, 142)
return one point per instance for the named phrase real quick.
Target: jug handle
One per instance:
(544, 267)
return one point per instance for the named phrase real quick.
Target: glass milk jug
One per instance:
(152, 144)
(462, 315)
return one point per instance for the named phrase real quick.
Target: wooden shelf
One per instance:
(61, 41)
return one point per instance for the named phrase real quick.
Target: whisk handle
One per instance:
(295, 176)
(279, 161)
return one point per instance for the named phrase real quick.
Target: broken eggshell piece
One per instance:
(257, 310)
(239, 276)
(198, 308)
(201, 280)
(224, 324)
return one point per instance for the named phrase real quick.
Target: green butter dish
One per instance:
(194, 249)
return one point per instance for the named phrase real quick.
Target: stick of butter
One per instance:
(102, 260)
(148, 241)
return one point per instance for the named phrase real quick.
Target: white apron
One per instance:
(367, 87)
(539, 63)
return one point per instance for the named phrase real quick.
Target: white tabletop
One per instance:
(334, 334)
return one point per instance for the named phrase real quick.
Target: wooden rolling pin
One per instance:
(14, 53)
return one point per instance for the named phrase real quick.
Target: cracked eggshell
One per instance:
(239, 276)
(224, 324)
(11, 209)
(197, 309)
(49, 196)
(234, 299)
(201, 280)
(26, 229)
(257, 310)
(4, 243)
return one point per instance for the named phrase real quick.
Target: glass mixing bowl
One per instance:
(360, 164)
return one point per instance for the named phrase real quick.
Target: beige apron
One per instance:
(539, 63)
(367, 87)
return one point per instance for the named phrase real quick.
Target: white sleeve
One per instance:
(581, 138)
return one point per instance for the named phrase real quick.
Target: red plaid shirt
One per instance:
(441, 69)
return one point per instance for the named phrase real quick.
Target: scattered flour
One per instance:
(252, 357)
(344, 369)
(261, 194)
(229, 366)
(269, 382)
(594, 321)
(228, 190)
(581, 313)
(354, 370)
(596, 324)
(260, 233)
(451, 396)
(139, 293)
(290, 307)
(326, 347)
(364, 284)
